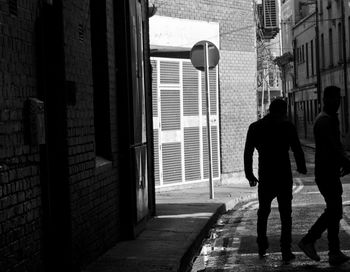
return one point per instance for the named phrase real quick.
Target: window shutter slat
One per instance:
(169, 72)
(172, 166)
(170, 109)
(192, 153)
(190, 90)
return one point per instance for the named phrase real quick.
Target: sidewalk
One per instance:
(170, 240)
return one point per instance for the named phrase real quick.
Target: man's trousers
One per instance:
(266, 194)
(329, 220)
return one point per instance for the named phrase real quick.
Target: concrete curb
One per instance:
(232, 203)
(188, 259)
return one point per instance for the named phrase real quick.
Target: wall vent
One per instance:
(270, 14)
(13, 7)
(81, 32)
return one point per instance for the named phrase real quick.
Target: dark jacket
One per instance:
(272, 137)
(329, 155)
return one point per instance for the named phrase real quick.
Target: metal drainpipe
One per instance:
(295, 52)
(318, 70)
(346, 104)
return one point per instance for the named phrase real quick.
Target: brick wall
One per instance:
(20, 193)
(237, 105)
(237, 78)
(94, 190)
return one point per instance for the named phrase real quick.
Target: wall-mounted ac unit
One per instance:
(270, 9)
(260, 15)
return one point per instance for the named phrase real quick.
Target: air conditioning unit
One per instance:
(270, 9)
(260, 13)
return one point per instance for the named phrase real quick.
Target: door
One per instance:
(179, 123)
(138, 147)
(170, 133)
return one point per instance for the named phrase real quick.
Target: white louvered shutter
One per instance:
(192, 143)
(270, 14)
(155, 121)
(170, 121)
(179, 118)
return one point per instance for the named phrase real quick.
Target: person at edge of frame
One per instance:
(331, 163)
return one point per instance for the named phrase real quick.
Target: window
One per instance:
(329, 4)
(342, 110)
(303, 54)
(272, 78)
(311, 111)
(320, 2)
(307, 60)
(13, 7)
(100, 77)
(349, 33)
(330, 47)
(340, 43)
(312, 57)
(298, 55)
(315, 107)
(322, 60)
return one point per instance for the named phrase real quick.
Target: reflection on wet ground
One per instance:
(231, 244)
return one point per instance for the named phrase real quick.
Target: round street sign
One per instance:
(197, 55)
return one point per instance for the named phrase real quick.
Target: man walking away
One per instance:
(330, 164)
(272, 137)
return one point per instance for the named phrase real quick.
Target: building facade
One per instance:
(231, 26)
(334, 37)
(320, 34)
(304, 98)
(75, 130)
(269, 48)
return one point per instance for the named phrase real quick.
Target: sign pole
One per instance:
(207, 87)
(203, 60)
(262, 111)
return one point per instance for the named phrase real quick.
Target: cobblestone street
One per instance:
(231, 245)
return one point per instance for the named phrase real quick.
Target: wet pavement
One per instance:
(231, 246)
(171, 238)
(171, 241)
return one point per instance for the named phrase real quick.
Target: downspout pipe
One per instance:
(318, 70)
(345, 66)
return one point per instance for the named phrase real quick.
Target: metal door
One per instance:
(179, 123)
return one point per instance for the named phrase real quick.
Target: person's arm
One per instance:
(344, 160)
(248, 157)
(345, 169)
(325, 129)
(297, 151)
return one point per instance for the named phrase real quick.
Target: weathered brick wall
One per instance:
(237, 78)
(238, 106)
(20, 193)
(94, 190)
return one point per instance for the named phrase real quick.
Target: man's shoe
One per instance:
(337, 258)
(309, 250)
(262, 253)
(287, 257)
